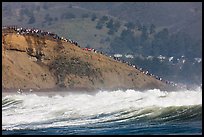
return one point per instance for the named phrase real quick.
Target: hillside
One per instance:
(166, 14)
(42, 62)
(176, 16)
(61, 19)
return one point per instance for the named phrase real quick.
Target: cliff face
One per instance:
(35, 62)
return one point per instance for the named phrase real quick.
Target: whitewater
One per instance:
(105, 112)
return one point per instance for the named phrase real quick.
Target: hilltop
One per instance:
(44, 62)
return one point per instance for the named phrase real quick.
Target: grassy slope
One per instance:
(82, 30)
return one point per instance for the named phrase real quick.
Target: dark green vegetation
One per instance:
(63, 66)
(187, 72)
(140, 29)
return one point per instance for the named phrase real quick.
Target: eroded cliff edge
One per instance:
(30, 61)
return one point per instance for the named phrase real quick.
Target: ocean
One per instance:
(119, 112)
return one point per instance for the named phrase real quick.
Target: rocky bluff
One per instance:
(42, 62)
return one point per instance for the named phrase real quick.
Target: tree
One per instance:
(110, 24)
(130, 25)
(124, 43)
(152, 29)
(138, 25)
(110, 32)
(160, 44)
(163, 34)
(144, 34)
(116, 26)
(93, 17)
(118, 45)
(104, 18)
(101, 22)
(99, 25)
(113, 27)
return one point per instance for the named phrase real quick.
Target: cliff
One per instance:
(41, 62)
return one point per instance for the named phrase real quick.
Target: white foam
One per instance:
(77, 109)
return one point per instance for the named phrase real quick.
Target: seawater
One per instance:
(103, 113)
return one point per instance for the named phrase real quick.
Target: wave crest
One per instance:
(34, 111)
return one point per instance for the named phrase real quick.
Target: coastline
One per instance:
(64, 91)
(49, 92)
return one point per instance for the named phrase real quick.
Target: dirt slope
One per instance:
(42, 63)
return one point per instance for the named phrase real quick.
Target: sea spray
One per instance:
(31, 111)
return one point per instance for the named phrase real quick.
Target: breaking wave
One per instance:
(33, 111)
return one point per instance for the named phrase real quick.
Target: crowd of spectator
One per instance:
(40, 33)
